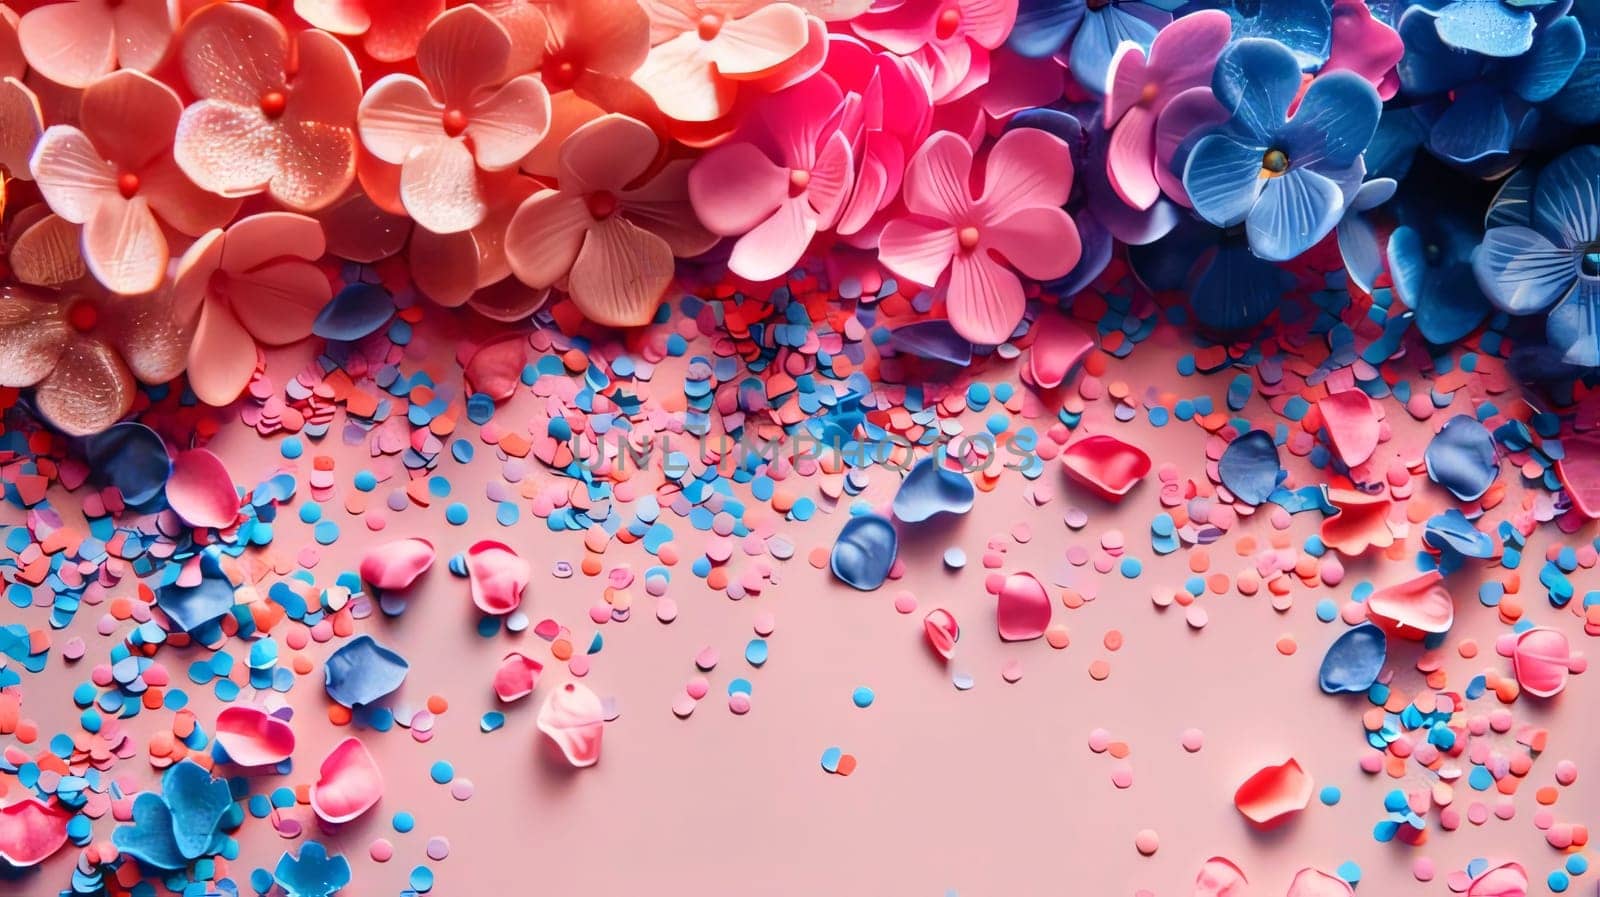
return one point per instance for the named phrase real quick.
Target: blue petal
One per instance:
(1566, 199)
(864, 552)
(1296, 210)
(1169, 263)
(1374, 193)
(1489, 27)
(1461, 458)
(1042, 26)
(1360, 252)
(1334, 122)
(1223, 178)
(1095, 254)
(1305, 27)
(357, 311)
(1474, 127)
(1579, 101)
(1454, 531)
(131, 458)
(1238, 290)
(198, 803)
(935, 339)
(1522, 272)
(1255, 81)
(1574, 325)
(1430, 66)
(931, 489)
(148, 838)
(1513, 202)
(1394, 143)
(1353, 661)
(362, 671)
(1249, 467)
(313, 873)
(1444, 297)
(191, 607)
(1537, 75)
(1103, 30)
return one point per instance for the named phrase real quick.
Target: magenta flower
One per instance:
(389, 29)
(888, 115)
(951, 39)
(257, 129)
(1140, 87)
(1366, 46)
(787, 179)
(967, 246)
(74, 43)
(253, 283)
(461, 118)
(609, 231)
(115, 175)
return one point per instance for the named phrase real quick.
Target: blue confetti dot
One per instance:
(456, 514)
(1330, 795)
(862, 697)
(756, 652)
(442, 772)
(403, 822)
(292, 448)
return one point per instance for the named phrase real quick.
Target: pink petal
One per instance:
(735, 187)
(498, 576)
(202, 493)
(349, 783)
(278, 303)
(1185, 52)
(509, 302)
(1541, 659)
(440, 189)
(1106, 465)
(1273, 794)
(337, 16)
(620, 273)
(12, 62)
(679, 76)
(254, 737)
(48, 253)
(395, 566)
(1131, 159)
(1352, 422)
(608, 153)
(1362, 522)
(21, 122)
(937, 180)
(1125, 85)
(661, 206)
(760, 42)
(226, 149)
(987, 22)
(1219, 877)
(772, 248)
(496, 367)
(444, 266)
(33, 332)
(69, 43)
(131, 118)
(545, 237)
(124, 246)
(254, 241)
(149, 335)
(179, 203)
(144, 32)
(1413, 609)
(1059, 344)
(984, 301)
(516, 677)
(917, 249)
(1364, 45)
(1027, 167)
(399, 117)
(1041, 242)
(574, 718)
(1188, 113)
(395, 35)
(463, 51)
(327, 84)
(72, 174)
(1504, 880)
(1023, 609)
(316, 164)
(361, 231)
(191, 282)
(876, 182)
(89, 390)
(222, 357)
(31, 831)
(1579, 470)
(1017, 83)
(1316, 883)
(942, 632)
(234, 52)
(510, 123)
(831, 178)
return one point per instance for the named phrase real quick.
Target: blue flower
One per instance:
(1286, 179)
(1304, 26)
(1542, 251)
(1579, 101)
(1230, 289)
(181, 823)
(1430, 256)
(313, 874)
(1095, 28)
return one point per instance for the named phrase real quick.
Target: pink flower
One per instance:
(951, 39)
(787, 179)
(1140, 88)
(613, 242)
(704, 49)
(253, 283)
(115, 176)
(465, 119)
(80, 347)
(256, 128)
(21, 119)
(389, 29)
(1366, 46)
(75, 42)
(952, 240)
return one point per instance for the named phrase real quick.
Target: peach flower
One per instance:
(115, 176)
(75, 42)
(256, 128)
(612, 242)
(389, 29)
(253, 283)
(21, 119)
(450, 269)
(461, 118)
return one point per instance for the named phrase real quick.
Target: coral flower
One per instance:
(389, 29)
(613, 242)
(704, 50)
(452, 269)
(115, 176)
(784, 181)
(464, 119)
(80, 347)
(253, 283)
(949, 38)
(952, 239)
(75, 42)
(257, 128)
(21, 119)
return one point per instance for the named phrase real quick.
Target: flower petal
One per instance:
(984, 300)
(440, 189)
(1492, 28)
(226, 149)
(1104, 30)
(1521, 271)
(69, 43)
(1256, 80)
(234, 52)
(398, 117)
(72, 174)
(1295, 211)
(463, 51)
(661, 206)
(1131, 159)
(1185, 53)
(33, 334)
(124, 246)
(1538, 74)
(918, 249)
(179, 203)
(1186, 118)
(679, 76)
(132, 118)
(754, 45)
(1334, 122)
(936, 182)
(608, 153)
(510, 123)
(1566, 198)
(1026, 168)
(222, 357)
(21, 122)
(149, 335)
(1043, 26)
(444, 266)
(395, 35)
(736, 186)
(48, 254)
(279, 302)
(545, 236)
(1223, 178)
(1040, 242)
(259, 239)
(1574, 325)
(317, 162)
(88, 391)
(349, 17)
(772, 248)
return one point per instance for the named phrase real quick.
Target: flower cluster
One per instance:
(200, 170)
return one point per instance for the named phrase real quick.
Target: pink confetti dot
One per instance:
(683, 706)
(1099, 741)
(666, 610)
(905, 603)
(1147, 842)
(1566, 772)
(1193, 740)
(764, 624)
(462, 789)
(381, 851)
(438, 848)
(1122, 777)
(1012, 671)
(739, 703)
(1422, 869)
(697, 688)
